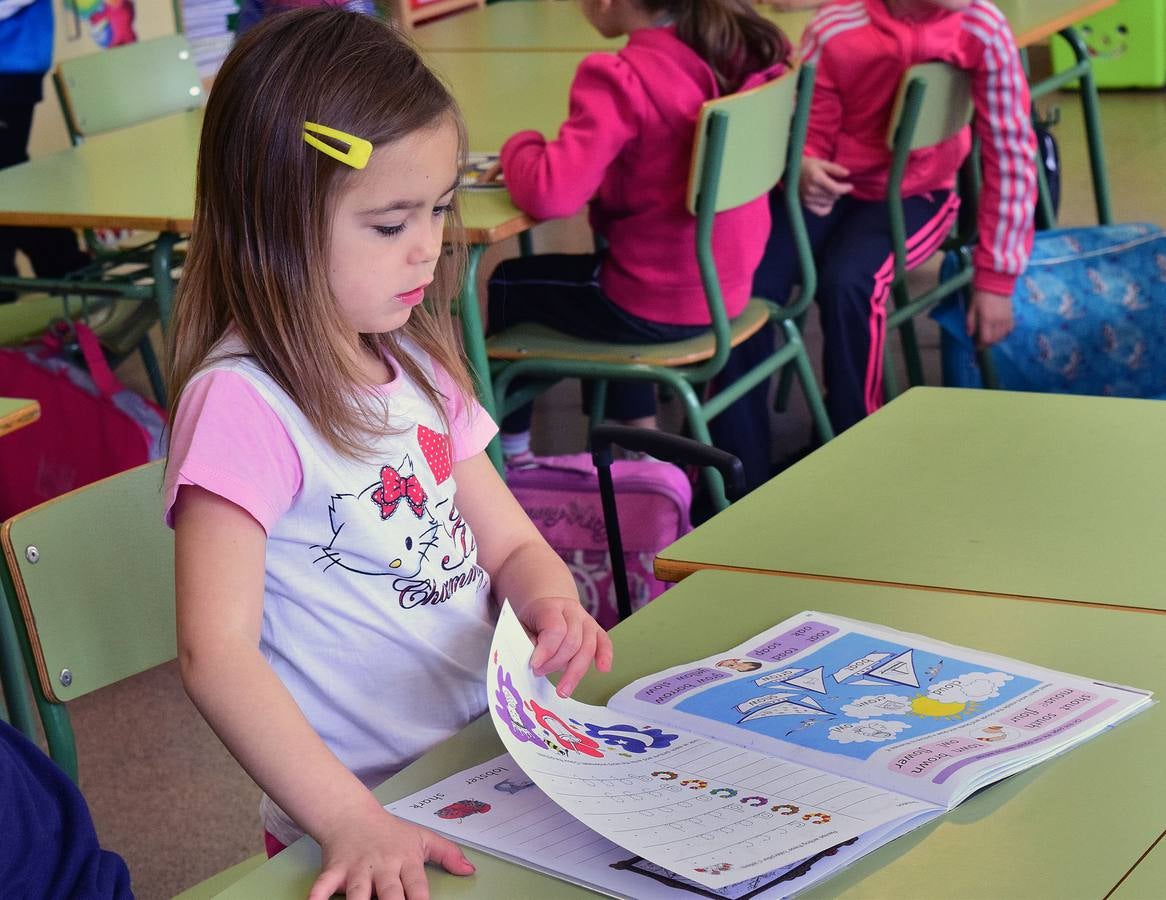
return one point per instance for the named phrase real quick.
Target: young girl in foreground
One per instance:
(338, 527)
(626, 148)
(861, 50)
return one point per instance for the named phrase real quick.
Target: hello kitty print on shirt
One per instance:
(401, 527)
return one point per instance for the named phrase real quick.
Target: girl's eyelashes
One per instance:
(393, 230)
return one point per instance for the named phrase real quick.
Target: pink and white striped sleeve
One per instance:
(1008, 153)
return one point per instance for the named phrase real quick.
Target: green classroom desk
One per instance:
(1147, 881)
(15, 413)
(1043, 496)
(142, 177)
(1069, 828)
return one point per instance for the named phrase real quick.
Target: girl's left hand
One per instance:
(566, 638)
(989, 318)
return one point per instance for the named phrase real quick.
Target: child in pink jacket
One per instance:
(626, 148)
(861, 50)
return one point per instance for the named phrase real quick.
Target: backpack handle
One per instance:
(95, 362)
(662, 445)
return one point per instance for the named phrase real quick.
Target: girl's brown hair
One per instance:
(259, 246)
(727, 34)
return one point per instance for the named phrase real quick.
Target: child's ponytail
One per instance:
(728, 34)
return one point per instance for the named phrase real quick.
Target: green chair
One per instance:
(934, 103)
(126, 85)
(744, 145)
(89, 580)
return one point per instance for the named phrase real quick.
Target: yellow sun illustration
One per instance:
(937, 709)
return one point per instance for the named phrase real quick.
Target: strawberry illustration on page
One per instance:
(435, 447)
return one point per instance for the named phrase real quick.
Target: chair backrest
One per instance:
(91, 586)
(128, 84)
(934, 103)
(744, 144)
(753, 148)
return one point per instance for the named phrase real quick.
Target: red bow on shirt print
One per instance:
(396, 487)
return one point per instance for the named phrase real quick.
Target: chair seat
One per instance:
(531, 341)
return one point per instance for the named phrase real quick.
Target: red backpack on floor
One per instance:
(91, 426)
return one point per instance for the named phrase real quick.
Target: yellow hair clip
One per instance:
(358, 152)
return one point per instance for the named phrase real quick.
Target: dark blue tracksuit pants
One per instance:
(852, 250)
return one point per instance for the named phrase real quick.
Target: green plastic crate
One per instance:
(1127, 43)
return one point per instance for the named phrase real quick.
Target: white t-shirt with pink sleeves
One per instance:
(376, 615)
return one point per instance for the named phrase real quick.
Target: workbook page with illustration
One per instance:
(897, 710)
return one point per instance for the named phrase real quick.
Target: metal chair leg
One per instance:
(809, 383)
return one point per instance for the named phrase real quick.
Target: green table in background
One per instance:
(1072, 827)
(1031, 495)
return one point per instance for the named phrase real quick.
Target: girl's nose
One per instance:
(428, 247)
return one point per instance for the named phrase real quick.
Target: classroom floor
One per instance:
(166, 794)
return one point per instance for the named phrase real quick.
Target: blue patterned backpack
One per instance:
(1090, 317)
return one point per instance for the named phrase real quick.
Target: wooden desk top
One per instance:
(1032, 495)
(559, 25)
(16, 413)
(1071, 827)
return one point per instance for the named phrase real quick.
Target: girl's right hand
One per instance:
(379, 854)
(821, 185)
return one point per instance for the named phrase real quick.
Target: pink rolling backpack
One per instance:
(579, 503)
(561, 494)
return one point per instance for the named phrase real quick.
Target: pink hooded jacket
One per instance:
(626, 147)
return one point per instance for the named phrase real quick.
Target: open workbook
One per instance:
(760, 770)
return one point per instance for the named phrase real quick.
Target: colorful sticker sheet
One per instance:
(711, 812)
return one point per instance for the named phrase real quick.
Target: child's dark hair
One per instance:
(729, 35)
(263, 210)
